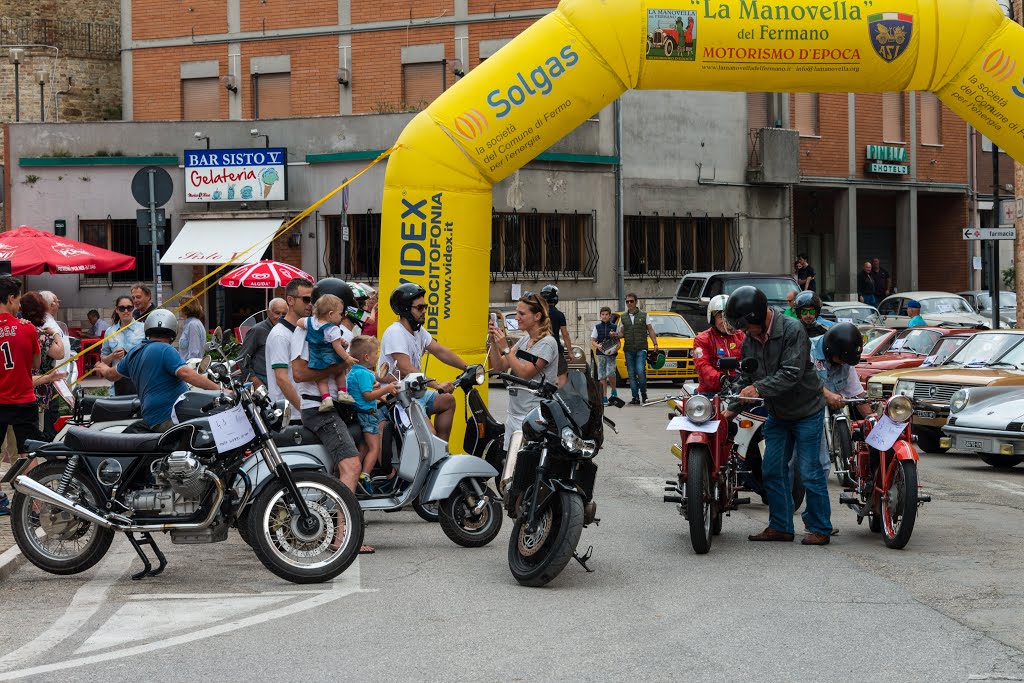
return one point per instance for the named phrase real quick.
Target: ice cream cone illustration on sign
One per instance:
(268, 177)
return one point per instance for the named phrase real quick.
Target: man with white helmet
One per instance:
(157, 370)
(710, 346)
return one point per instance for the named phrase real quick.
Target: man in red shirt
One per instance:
(19, 356)
(717, 342)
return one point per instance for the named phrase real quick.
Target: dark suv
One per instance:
(696, 290)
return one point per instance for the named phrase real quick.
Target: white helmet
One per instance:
(716, 305)
(163, 323)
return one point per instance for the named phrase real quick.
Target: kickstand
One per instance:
(584, 559)
(147, 568)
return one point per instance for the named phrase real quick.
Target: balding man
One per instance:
(254, 347)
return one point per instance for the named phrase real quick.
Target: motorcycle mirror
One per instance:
(383, 370)
(204, 364)
(748, 365)
(218, 334)
(524, 355)
(728, 363)
(219, 369)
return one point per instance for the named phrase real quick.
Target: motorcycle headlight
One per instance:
(959, 401)
(899, 409)
(570, 441)
(874, 390)
(481, 376)
(904, 389)
(699, 409)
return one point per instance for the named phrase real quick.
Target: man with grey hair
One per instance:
(52, 411)
(254, 346)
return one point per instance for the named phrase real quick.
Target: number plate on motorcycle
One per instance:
(231, 429)
(885, 433)
(681, 422)
(925, 413)
(968, 443)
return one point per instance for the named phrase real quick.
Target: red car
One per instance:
(910, 348)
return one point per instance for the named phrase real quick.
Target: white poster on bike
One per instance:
(681, 422)
(231, 429)
(884, 434)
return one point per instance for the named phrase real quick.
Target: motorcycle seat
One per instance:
(96, 441)
(111, 409)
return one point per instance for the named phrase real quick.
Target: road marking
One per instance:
(213, 596)
(347, 584)
(1006, 486)
(88, 599)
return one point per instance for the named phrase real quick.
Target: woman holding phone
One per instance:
(125, 334)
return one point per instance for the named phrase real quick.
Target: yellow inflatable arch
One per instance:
(436, 226)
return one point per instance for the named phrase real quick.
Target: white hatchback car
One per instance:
(937, 308)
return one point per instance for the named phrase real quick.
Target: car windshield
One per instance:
(875, 338)
(1006, 300)
(774, 288)
(854, 314)
(945, 304)
(984, 348)
(944, 349)
(670, 326)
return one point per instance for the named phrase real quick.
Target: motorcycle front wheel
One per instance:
(536, 558)
(463, 525)
(306, 555)
(842, 452)
(52, 539)
(699, 501)
(899, 504)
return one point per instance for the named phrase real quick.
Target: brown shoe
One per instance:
(816, 539)
(770, 534)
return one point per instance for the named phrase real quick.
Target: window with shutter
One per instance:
(892, 117)
(931, 119)
(275, 96)
(422, 83)
(806, 112)
(200, 99)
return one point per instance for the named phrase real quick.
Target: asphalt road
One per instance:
(947, 608)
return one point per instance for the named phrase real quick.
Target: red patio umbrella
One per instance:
(263, 275)
(31, 252)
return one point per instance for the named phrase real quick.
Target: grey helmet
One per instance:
(161, 323)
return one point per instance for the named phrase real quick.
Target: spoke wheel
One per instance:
(55, 540)
(842, 453)
(300, 552)
(899, 504)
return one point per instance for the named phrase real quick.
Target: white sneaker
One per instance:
(345, 397)
(326, 405)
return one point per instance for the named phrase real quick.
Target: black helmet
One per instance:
(807, 299)
(747, 305)
(332, 285)
(843, 340)
(401, 301)
(550, 294)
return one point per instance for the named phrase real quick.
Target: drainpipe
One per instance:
(620, 248)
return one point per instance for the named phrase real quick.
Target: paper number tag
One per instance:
(681, 422)
(884, 434)
(231, 429)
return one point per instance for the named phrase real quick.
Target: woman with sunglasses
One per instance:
(534, 320)
(121, 341)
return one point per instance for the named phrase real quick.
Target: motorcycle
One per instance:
(839, 441)
(427, 475)
(883, 469)
(549, 480)
(190, 481)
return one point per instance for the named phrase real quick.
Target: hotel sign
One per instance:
(887, 160)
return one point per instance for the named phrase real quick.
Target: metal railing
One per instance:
(71, 37)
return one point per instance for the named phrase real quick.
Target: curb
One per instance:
(10, 561)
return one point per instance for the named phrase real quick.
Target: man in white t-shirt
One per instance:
(278, 347)
(403, 346)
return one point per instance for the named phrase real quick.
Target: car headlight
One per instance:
(959, 401)
(699, 409)
(570, 441)
(874, 390)
(899, 409)
(904, 389)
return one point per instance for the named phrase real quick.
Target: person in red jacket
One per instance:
(718, 341)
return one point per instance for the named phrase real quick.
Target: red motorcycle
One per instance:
(883, 469)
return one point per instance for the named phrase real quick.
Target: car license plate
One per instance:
(969, 443)
(676, 364)
(925, 413)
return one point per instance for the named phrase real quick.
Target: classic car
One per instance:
(675, 338)
(987, 422)
(849, 312)
(982, 303)
(937, 308)
(876, 340)
(910, 348)
(988, 358)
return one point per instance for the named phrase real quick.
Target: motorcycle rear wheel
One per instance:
(78, 545)
(465, 528)
(283, 547)
(535, 559)
(842, 453)
(899, 505)
(699, 501)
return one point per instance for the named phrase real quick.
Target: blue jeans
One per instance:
(782, 437)
(870, 299)
(636, 368)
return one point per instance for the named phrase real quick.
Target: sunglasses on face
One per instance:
(421, 307)
(807, 311)
(630, 301)
(125, 309)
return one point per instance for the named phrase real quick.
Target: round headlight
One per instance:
(904, 389)
(959, 401)
(481, 376)
(874, 390)
(899, 408)
(699, 409)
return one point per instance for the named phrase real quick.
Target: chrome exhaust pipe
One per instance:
(30, 487)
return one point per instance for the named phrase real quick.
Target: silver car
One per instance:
(987, 422)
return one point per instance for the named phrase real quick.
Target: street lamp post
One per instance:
(15, 56)
(42, 77)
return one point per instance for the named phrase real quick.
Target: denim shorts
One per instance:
(428, 401)
(370, 422)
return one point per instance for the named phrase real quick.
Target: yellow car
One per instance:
(675, 338)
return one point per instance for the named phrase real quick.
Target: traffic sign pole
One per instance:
(994, 275)
(152, 228)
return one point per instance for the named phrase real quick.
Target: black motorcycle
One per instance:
(304, 525)
(550, 494)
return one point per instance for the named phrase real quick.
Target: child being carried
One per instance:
(328, 347)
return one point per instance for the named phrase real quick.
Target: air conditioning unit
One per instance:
(774, 157)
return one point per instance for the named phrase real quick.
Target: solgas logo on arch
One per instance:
(470, 124)
(1001, 67)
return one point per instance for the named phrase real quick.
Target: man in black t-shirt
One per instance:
(805, 275)
(559, 328)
